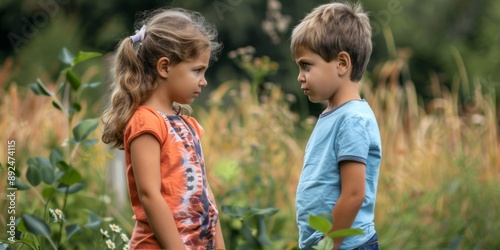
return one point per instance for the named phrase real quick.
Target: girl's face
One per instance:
(186, 79)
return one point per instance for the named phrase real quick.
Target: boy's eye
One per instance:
(305, 65)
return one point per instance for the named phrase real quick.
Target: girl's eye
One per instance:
(305, 65)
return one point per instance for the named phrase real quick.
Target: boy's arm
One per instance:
(145, 155)
(219, 238)
(352, 179)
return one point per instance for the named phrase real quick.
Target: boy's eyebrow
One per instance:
(201, 66)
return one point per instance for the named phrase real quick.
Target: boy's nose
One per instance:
(203, 82)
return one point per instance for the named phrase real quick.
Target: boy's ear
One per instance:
(162, 67)
(344, 63)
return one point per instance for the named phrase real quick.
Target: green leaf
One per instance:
(346, 232)
(91, 85)
(246, 232)
(94, 220)
(235, 212)
(77, 106)
(61, 87)
(55, 157)
(324, 244)
(71, 189)
(62, 165)
(57, 105)
(39, 162)
(319, 223)
(84, 128)
(47, 174)
(71, 176)
(34, 87)
(4, 246)
(20, 185)
(20, 226)
(66, 57)
(36, 225)
(33, 175)
(90, 142)
(48, 192)
(264, 212)
(262, 233)
(72, 230)
(73, 79)
(84, 56)
(28, 241)
(42, 88)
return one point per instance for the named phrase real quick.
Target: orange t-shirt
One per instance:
(183, 179)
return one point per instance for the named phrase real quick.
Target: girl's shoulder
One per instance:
(145, 120)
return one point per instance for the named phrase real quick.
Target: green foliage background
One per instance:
(431, 30)
(431, 81)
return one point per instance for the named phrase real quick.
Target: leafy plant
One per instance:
(324, 225)
(250, 226)
(54, 178)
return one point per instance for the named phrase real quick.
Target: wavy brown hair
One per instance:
(335, 27)
(178, 34)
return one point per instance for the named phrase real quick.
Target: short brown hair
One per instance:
(335, 27)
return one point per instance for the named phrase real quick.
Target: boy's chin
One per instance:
(314, 100)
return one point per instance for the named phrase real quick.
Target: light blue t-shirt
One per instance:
(349, 132)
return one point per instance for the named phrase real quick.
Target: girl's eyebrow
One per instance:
(301, 60)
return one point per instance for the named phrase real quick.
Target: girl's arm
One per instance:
(219, 238)
(145, 156)
(352, 179)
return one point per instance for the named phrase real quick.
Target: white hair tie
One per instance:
(139, 35)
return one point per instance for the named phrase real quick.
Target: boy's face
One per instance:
(319, 79)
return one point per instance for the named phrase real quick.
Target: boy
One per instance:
(332, 47)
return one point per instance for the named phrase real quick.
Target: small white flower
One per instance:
(115, 228)
(59, 214)
(105, 233)
(126, 247)
(53, 213)
(124, 237)
(110, 244)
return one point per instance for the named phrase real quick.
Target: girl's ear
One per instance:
(162, 67)
(344, 63)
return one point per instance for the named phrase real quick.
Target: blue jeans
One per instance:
(371, 244)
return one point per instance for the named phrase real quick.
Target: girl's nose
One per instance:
(301, 78)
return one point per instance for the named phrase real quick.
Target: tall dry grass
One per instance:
(439, 173)
(437, 188)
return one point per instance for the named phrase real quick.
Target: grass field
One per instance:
(438, 187)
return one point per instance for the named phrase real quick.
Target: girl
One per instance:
(154, 72)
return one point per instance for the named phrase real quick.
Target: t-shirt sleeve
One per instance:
(197, 127)
(143, 121)
(353, 141)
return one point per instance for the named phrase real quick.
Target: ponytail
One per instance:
(178, 34)
(130, 86)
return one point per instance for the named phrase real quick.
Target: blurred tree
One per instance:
(432, 30)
